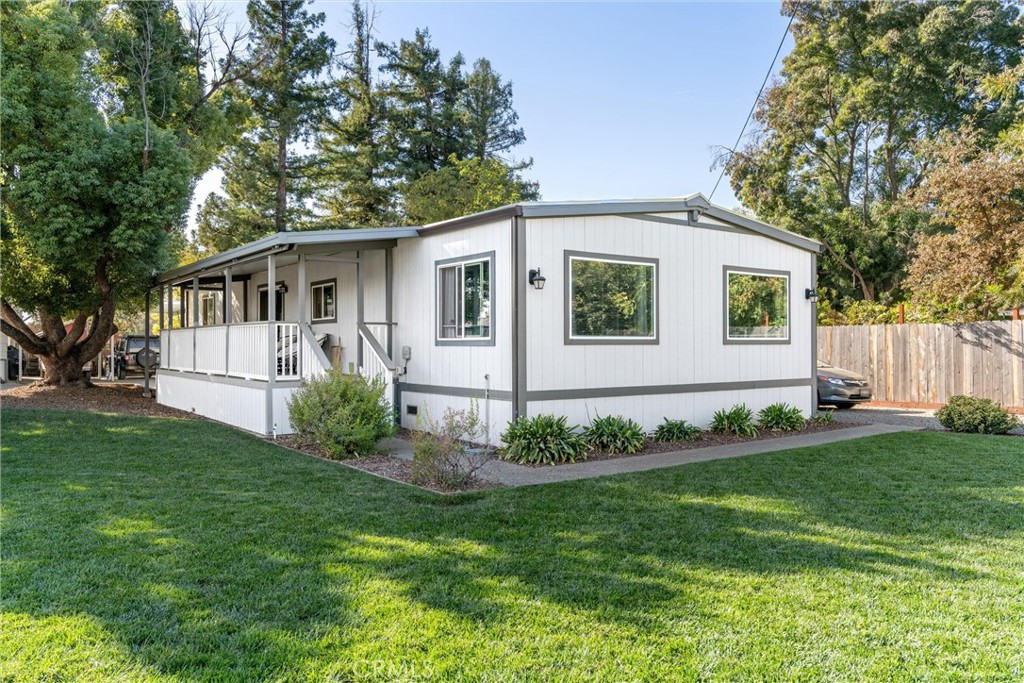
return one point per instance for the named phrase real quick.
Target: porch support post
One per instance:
(181, 311)
(389, 298)
(303, 312)
(195, 317)
(360, 274)
(160, 296)
(228, 319)
(228, 309)
(271, 340)
(170, 306)
(145, 369)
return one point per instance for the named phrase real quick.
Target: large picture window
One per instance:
(611, 299)
(756, 306)
(464, 300)
(321, 296)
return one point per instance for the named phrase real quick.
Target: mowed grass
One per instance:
(142, 549)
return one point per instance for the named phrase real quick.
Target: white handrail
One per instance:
(376, 363)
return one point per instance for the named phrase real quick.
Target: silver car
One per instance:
(841, 388)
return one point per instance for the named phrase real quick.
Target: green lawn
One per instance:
(162, 550)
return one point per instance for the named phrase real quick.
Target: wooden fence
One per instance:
(929, 363)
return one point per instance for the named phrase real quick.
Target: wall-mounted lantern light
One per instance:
(536, 279)
(811, 295)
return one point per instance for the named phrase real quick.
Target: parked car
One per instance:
(841, 388)
(126, 351)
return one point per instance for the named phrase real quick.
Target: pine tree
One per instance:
(266, 181)
(426, 124)
(491, 121)
(355, 168)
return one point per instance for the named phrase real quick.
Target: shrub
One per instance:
(345, 415)
(781, 417)
(738, 420)
(445, 454)
(676, 430)
(976, 415)
(542, 440)
(824, 417)
(615, 434)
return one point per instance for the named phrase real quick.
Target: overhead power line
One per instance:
(753, 107)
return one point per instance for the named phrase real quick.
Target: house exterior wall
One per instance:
(677, 376)
(441, 375)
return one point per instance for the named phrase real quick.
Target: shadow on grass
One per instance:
(203, 549)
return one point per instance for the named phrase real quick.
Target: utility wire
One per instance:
(750, 115)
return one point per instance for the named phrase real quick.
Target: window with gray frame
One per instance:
(756, 306)
(464, 299)
(611, 299)
(321, 296)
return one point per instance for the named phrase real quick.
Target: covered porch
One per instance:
(241, 330)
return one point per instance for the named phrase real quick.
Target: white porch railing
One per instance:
(240, 350)
(376, 362)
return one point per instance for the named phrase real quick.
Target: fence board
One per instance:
(930, 363)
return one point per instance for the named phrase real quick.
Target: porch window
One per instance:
(756, 306)
(464, 300)
(263, 307)
(208, 309)
(611, 299)
(323, 301)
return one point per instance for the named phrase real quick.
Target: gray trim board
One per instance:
(233, 381)
(655, 390)
(567, 337)
(465, 392)
(683, 222)
(790, 238)
(814, 328)
(520, 358)
(754, 341)
(469, 258)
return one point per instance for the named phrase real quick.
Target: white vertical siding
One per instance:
(690, 321)
(416, 309)
(229, 402)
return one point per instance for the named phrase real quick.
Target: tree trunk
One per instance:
(65, 371)
(282, 184)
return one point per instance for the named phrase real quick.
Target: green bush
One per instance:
(738, 420)
(676, 430)
(976, 416)
(615, 434)
(542, 440)
(781, 417)
(343, 414)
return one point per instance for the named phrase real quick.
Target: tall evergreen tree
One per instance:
(491, 122)
(288, 102)
(356, 172)
(426, 124)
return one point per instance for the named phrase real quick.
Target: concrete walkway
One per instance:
(510, 474)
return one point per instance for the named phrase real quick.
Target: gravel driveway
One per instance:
(919, 418)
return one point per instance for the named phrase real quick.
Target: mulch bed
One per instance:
(385, 466)
(104, 398)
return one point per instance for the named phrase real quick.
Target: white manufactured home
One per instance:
(648, 309)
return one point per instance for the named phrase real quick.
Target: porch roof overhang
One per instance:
(350, 240)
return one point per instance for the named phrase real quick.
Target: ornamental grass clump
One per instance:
(738, 420)
(781, 417)
(676, 430)
(615, 434)
(542, 440)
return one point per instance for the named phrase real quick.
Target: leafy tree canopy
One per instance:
(463, 187)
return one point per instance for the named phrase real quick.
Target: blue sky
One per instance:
(618, 99)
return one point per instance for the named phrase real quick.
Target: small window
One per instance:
(464, 300)
(322, 300)
(263, 310)
(208, 310)
(611, 299)
(756, 306)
